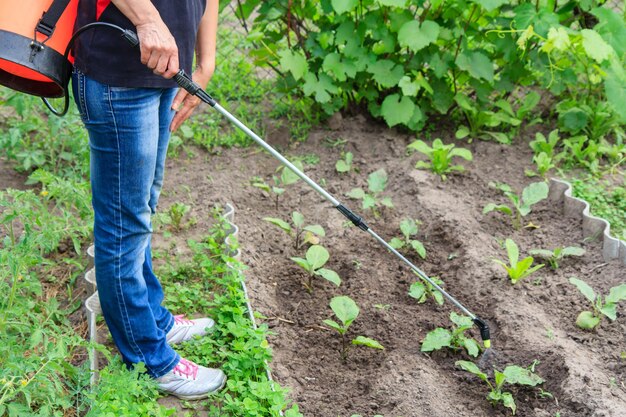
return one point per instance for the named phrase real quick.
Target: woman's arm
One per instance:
(158, 47)
(206, 41)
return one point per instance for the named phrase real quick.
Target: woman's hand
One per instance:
(158, 48)
(184, 104)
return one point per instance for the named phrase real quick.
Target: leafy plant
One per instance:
(454, 339)
(522, 205)
(512, 375)
(177, 211)
(589, 320)
(517, 269)
(316, 258)
(440, 156)
(607, 200)
(556, 255)
(423, 290)
(347, 311)
(409, 228)
(311, 232)
(286, 177)
(344, 165)
(376, 184)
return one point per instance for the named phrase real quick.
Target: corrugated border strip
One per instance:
(612, 248)
(92, 303)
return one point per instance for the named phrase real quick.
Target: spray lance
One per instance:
(34, 65)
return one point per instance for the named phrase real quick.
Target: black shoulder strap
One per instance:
(50, 18)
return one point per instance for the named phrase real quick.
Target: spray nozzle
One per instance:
(484, 331)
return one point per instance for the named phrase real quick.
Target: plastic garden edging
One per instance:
(612, 248)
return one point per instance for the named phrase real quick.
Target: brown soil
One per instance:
(532, 320)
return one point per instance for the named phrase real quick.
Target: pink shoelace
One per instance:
(180, 319)
(186, 368)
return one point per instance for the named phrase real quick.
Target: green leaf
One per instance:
(366, 341)
(321, 87)
(377, 181)
(534, 193)
(497, 207)
(472, 347)
(490, 5)
(461, 321)
(609, 310)
(280, 223)
(329, 275)
(476, 64)
(408, 227)
(512, 251)
(419, 248)
(542, 253)
(584, 288)
(386, 73)
(341, 166)
(612, 28)
(392, 3)
(508, 401)
(471, 368)
(586, 320)
(302, 263)
(342, 6)
(340, 68)
(416, 36)
(386, 201)
(421, 147)
(595, 47)
(368, 202)
(345, 309)
(316, 229)
(356, 193)
(298, 219)
(288, 177)
(521, 376)
(461, 153)
(294, 62)
(572, 251)
(408, 87)
(333, 324)
(396, 243)
(397, 110)
(418, 291)
(317, 256)
(615, 88)
(436, 339)
(616, 294)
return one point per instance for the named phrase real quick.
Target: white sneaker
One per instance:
(189, 381)
(185, 329)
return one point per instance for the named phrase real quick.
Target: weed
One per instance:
(607, 201)
(556, 255)
(422, 291)
(512, 374)
(376, 184)
(316, 258)
(522, 205)
(312, 232)
(347, 311)
(408, 227)
(440, 156)
(589, 320)
(454, 339)
(517, 269)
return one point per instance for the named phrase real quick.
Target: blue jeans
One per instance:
(128, 136)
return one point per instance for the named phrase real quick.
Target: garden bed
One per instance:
(533, 320)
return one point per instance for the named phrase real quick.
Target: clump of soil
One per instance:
(532, 320)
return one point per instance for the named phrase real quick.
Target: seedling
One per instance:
(344, 165)
(312, 232)
(347, 311)
(408, 227)
(517, 269)
(531, 195)
(556, 255)
(512, 374)
(422, 291)
(316, 258)
(286, 177)
(589, 320)
(177, 211)
(454, 339)
(440, 156)
(376, 184)
(544, 164)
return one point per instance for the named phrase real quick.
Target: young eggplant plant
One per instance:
(376, 184)
(344, 165)
(316, 258)
(512, 375)
(408, 227)
(347, 311)
(454, 339)
(589, 320)
(312, 232)
(286, 177)
(440, 157)
(522, 205)
(555, 256)
(518, 269)
(423, 290)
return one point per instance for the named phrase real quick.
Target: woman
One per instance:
(129, 105)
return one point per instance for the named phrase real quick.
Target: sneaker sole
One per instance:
(198, 396)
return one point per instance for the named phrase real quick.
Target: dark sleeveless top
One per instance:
(105, 56)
